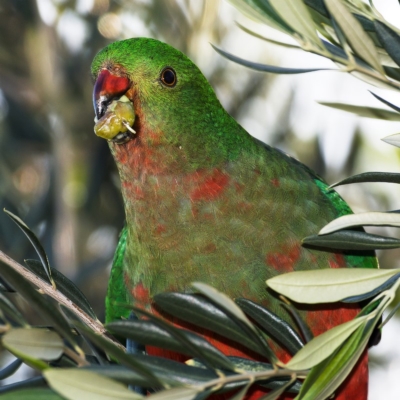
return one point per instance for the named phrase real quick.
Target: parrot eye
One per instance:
(168, 77)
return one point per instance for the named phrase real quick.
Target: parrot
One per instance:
(204, 200)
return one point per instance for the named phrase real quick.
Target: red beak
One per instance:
(106, 88)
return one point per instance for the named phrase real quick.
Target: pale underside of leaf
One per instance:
(329, 285)
(36, 343)
(359, 40)
(361, 219)
(324, 345)
(394, 140)
(80, 384)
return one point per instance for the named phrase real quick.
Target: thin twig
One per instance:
(46, 288)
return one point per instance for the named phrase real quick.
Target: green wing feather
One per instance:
(116, 292)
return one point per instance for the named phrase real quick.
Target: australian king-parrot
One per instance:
(204, 200)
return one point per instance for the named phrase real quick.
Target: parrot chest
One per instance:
(227, 226)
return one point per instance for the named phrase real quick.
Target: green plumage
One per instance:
(205, 201)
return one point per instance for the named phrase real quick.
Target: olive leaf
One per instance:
(329, 285)
(322, 346)
(362, 219)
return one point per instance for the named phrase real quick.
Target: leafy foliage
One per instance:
(79, 357)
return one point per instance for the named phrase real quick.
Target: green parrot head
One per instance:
(160, 81)
(173, 103)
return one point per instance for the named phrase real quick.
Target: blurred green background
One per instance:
(60, 178)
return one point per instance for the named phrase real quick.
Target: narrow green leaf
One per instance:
(362, 219)
(65, 286)
(275, 394)
(273, 325)
(322, 346)
(224, 301)
(180, 393)
(396, 108)
(32, 394)
(149, 333)
(80, 384)
(113, 351)
(30, 383)
(264, 67)
(10, 369)
(325, 377)
(394, 140)
(11, 311)
(35, 243)
(387, 177)
(203, 313)
(359, 41)
(389, 39)
(352, 240)
(242, 392)
(47, 309)
(296, 15)
(229, 306)
(329, 285)
(244, 364)
(386, 285)
(363, 111)
(34, 342)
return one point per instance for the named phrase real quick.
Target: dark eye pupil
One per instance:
(168, 77)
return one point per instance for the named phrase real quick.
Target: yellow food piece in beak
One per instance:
(119, 118)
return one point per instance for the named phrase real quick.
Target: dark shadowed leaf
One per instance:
(372, 293)
(385, 101)
(244, 364)
(352, 240)
(31, 383)
(200, 311)
(42, 303)
(389, 39)
(125, 359)
(35, 243)
(275, 394)
(297, 318)
(388, 177)
(229, 306)
(274, 326)
(10, 369)
(149, 333)
(65, 286)
(32, 394)
(175, 373)
(266, 68)
(363, 111)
